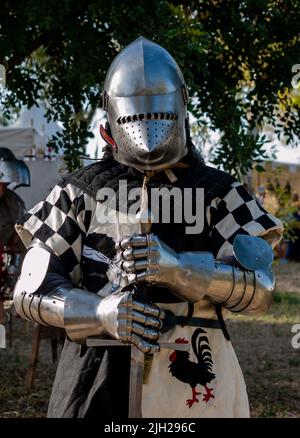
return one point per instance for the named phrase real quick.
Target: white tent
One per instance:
(27, 139)
(20, 140)
(35, 118)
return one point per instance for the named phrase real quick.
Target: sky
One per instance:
(286, 154)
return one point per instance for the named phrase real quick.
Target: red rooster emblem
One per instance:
(191, 372)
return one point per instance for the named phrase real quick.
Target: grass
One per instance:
(288, 297)
(271, 366)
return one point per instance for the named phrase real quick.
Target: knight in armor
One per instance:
(83, 274)
(13, 173)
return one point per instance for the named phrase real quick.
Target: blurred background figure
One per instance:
(261, 195)
(293, 244)
(295, 199)
(13, 174)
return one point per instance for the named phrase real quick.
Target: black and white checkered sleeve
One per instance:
(60, 221)
(239, 213)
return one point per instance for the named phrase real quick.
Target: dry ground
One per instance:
(263, 345)
(271, 366)
(14, 400)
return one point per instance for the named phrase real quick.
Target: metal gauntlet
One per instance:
(240, 287)
(44, 294)
(244, 283)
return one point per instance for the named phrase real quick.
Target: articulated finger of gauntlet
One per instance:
(131, 321)
(114, 314)
(146, 258)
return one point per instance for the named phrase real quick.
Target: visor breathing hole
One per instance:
(121, 120)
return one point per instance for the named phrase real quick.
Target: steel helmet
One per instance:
(12, 170)
(146, 102)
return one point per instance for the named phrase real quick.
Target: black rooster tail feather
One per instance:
(201, 348)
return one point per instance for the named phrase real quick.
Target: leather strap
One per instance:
(221, 321)
(188, 317)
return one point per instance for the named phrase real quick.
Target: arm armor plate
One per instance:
(44, 294)
(244, 283)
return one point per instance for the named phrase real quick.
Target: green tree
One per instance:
(236, 56)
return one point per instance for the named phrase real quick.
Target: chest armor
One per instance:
(203, 184)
